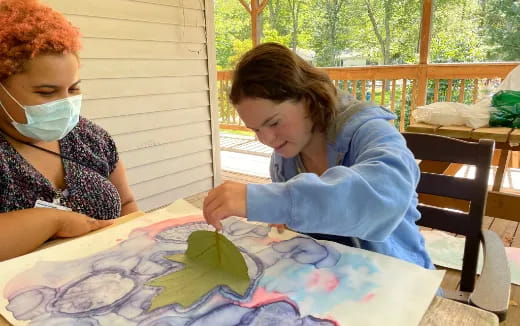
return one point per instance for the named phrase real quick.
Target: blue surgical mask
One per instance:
(50, 121)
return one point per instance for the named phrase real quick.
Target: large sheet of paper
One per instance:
(100, 279)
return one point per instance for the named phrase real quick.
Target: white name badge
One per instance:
(44, 204)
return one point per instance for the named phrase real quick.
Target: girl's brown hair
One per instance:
(272, 71)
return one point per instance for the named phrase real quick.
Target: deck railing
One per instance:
(400, 88)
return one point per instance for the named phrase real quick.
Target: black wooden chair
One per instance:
(491, 291)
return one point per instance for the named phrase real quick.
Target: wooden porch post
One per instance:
(254, 10)
(424, 50)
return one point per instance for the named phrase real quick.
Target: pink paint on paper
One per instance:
(331, 319)
(368, 297)
(322, 280)
(154, 229)
(41, 273)
(261, 297)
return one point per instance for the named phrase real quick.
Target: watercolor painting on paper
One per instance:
(295, 280)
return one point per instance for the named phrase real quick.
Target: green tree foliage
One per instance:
(382, 31)
(387, 31)
(290, 19)
(456, 33)
(330, 34)
(232, 25)
(278, 15)
(502, 19)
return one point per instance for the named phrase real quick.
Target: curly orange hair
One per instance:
(29, 28)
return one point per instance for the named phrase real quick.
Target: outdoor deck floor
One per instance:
(247, 161)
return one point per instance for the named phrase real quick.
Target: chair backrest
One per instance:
(427, 147)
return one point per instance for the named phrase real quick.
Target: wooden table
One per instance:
(507, 141)
(442, 312)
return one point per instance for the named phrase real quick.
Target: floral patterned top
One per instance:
(88, 189)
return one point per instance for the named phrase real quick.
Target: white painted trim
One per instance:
(212, 79)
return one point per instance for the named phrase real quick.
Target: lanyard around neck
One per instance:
(49, 151)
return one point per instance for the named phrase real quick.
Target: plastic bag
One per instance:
(477, 115)
(440, 113)
(506, 98)
(506, 109)
(512, 80)
(452, 113)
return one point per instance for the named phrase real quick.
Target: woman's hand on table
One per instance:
(228, 199)
(75, 224)
(25, 230)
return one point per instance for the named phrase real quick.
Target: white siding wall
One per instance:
(148, 71)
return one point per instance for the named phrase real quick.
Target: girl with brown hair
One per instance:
(340, 170)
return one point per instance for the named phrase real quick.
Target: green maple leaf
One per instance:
(211, 260)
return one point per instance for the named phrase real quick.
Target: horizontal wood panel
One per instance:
(433, 71)
(373, 72)
(127, 68)
(165, 183)
(459, 188)
(455, 131)
(225, 75)
(193, 17)
(433, 217)
(470, 70)
(96, 27)
(173, 3)
(153, 120)
(166, 167)
(97, 48)
(503, 205)
(499, 134)
(130, 10)
(422, 128)
(440, 201)
(194, 4)
(168, 197)
(119, 87)
(442, 149)
(162, 152)
(111, 107)
(150, 138)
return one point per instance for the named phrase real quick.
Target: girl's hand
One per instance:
(279, 227)
(228, 199)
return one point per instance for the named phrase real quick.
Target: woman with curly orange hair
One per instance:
(60, 174)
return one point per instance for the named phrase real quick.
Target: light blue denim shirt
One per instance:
(367, 194)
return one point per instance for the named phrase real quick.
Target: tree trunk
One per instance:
(259, 26)
(333, 10)
(384, 43)
(295, 14)
(274, 11)
(388, 17)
